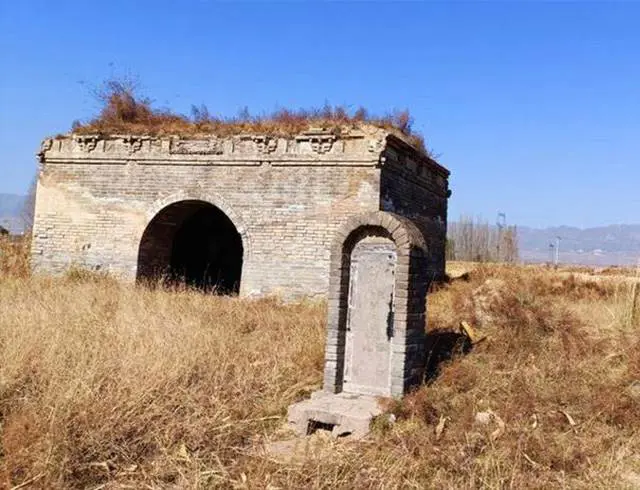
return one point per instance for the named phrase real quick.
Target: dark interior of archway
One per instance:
(207, 252)
(195, 243)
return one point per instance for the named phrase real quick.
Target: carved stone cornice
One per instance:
(320, 141)
(133, 143)
(317, 147)
(211, 146)
(87, 142)
(265, 144)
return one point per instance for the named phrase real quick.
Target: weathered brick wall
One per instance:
(96, 197)
(417, 188)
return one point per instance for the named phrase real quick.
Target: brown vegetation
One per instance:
(103, 383)
(125, 112)
(14, 256)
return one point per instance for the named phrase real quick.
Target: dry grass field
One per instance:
(106, 385)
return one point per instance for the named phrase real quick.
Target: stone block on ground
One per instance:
(340, 414)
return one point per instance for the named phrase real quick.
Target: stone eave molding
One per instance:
(314, 147)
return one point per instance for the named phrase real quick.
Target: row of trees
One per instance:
(476, 240)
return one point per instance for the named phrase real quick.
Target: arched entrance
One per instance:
(195, 243)
(379, 277)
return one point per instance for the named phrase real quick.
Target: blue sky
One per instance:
(534, 107)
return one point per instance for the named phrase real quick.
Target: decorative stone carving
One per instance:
(322, 143)
(265, 144)
(319, 140)
(87, 142)
(196, 147)
(133, 143)
(376, 146)
(46, 145)
(155, 145)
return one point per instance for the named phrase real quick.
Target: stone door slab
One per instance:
(370, 317)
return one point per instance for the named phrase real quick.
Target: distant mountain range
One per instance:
(603, 245)
(11, 206)
(600, 246)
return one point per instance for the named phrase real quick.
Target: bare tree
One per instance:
(509, 247)
(27, 213)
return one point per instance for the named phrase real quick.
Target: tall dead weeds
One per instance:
(103, 383)
(15, 256)
(542, 366)
(125, 111)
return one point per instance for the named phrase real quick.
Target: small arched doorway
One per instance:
(195, 243)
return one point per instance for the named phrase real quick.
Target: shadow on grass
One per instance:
(442, 346)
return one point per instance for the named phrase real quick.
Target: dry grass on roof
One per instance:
(124, 111)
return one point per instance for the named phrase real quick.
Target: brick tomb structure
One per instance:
(359, 214)
(248, 214)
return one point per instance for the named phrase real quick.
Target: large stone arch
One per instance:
(194, 238)
(209, 197)
(411, 284)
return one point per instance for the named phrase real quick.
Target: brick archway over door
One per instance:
(411, 284)
(192, 242)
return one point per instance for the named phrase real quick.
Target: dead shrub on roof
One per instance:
(125, 110)
(121, 104)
